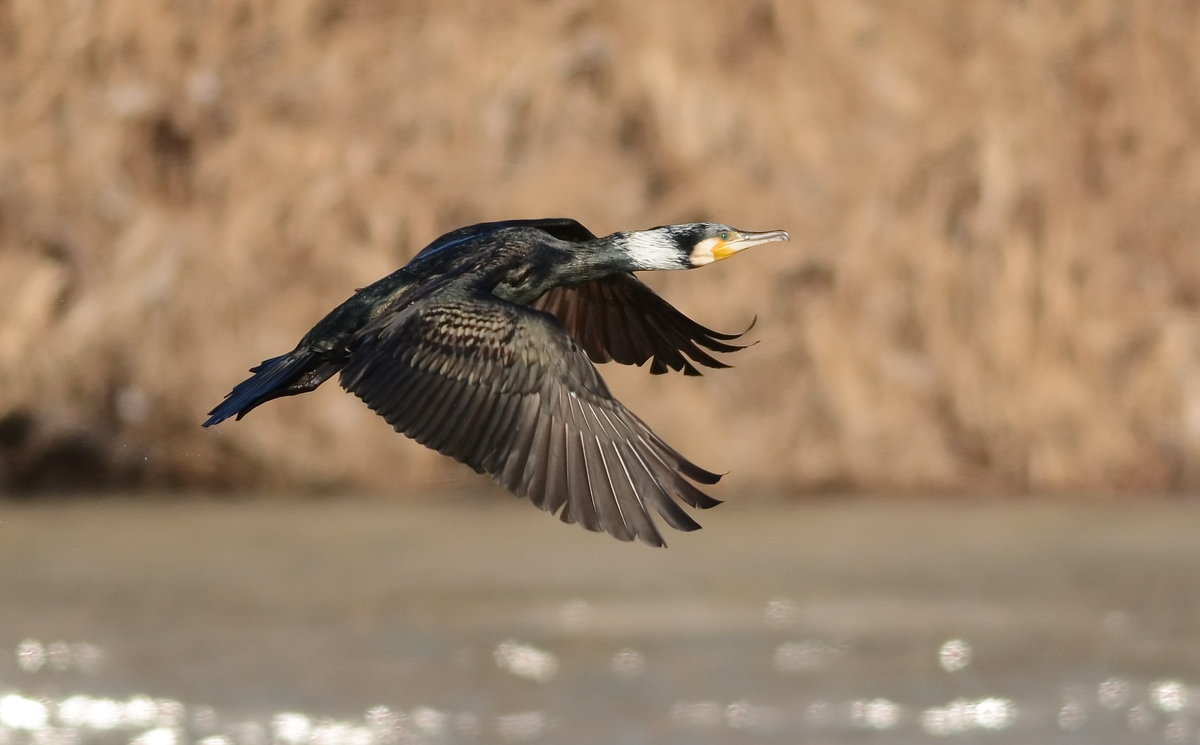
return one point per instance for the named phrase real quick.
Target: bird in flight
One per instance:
(482, 348)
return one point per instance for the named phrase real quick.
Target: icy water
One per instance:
(481, 620)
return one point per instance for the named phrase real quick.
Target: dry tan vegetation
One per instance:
(995, 210)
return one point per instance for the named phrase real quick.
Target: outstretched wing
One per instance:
(621, 319)
(505, 390)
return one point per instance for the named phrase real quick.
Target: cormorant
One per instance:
(479, 348)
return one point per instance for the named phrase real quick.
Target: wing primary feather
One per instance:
(674, 345)
(677, 481)
(533, 484)
(694, 496)
(556, 473)
(489, 447)
(440, 424)
(620, 333)
(667, 349)
(436, 434)
(636, 514)
(568, 309)
(655, 305)
(422, 402)
(629, 509)
(580, 501)
(581, 328)
(690, 494)
(608, 426)
(641, 431)
(646, 341)
(482, 421)
(466, 419)
(604, 498)
(672, 459)
(666, 506)
(519, 450)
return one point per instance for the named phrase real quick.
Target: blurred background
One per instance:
(992, 283)
(992, 289)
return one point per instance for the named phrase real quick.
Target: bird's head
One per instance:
(689, 245)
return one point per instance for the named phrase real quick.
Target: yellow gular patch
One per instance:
(722, 250)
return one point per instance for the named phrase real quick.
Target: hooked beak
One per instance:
(746, 240)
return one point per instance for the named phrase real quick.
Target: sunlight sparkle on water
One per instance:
(1140, 718)
(19, 712)
(963, 715)
(1072, 716)
(820, 714)
(752, 717)
(697, 714)
(429, 721)
(781, 613)
(1169, 695)
(93, 713)
(32, 655)
(1113, 693)
(1176, 731)
(629, 663)
(383, 721)
(576, 615)
(289, 727)
(46, 710)
(526, 661)
(341, 733)
(805, 656)
(522, 726)
(877, 714)
(954, 655)
(157, 736)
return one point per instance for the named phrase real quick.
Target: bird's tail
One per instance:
(285, 375)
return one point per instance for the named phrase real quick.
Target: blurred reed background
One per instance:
(993, 283)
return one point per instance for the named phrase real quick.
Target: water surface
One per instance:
(480, 620)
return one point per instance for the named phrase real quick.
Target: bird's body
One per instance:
(479, 348)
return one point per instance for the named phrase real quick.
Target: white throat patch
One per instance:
(652, 249)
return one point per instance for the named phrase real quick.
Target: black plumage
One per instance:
(479, 348)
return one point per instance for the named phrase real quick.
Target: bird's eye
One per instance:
(723, 235)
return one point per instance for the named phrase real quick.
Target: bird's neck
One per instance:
(648, 250)
(596, 259)
(567, 263)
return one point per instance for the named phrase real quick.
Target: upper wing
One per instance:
(621, 319)
(506, 391)
(563, 228)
